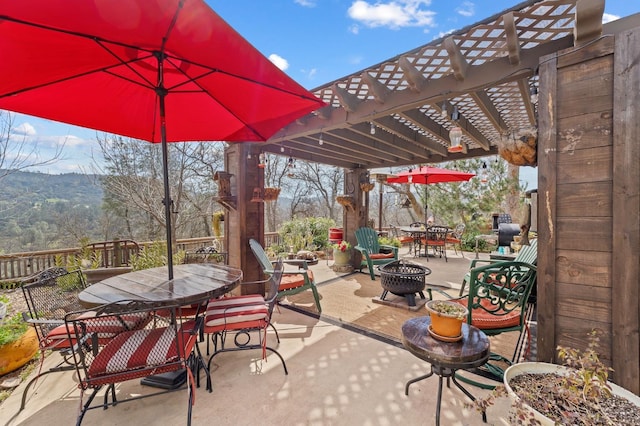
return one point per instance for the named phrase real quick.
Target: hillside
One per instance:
(38, 211)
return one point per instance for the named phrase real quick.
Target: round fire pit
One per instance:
(403, 279)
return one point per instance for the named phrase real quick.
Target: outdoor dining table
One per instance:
(192, 283)
(418, 234)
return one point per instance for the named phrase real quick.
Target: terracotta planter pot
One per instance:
(16, 354)
(448, 322)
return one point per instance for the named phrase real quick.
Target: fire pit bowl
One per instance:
(403, 279)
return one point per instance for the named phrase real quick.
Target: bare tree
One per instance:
(326, 182)
(134, 189)
(18, 151)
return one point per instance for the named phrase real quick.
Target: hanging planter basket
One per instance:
(367, 186)
(346, 201)
(520, 148)
(271, 194)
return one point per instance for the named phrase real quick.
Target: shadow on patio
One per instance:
(340, 373)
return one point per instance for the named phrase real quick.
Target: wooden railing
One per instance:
(16, 266)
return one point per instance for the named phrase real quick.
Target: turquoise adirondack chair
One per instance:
(292, 282)
(527, 254)
(370, 249)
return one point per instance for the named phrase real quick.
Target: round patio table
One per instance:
(192, 283)
(445, 357)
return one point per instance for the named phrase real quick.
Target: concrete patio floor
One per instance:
(336, 377)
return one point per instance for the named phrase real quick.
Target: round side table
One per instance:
(445, 358)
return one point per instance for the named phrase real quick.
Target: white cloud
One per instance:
(444, 33)
(25, 129)
(392, 14)
(608, 17)
(466, 9)
(305, 3)
(279, 61)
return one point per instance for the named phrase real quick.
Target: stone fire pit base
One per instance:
(400, 302)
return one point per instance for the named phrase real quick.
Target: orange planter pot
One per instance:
(16, 354)
(446, 318)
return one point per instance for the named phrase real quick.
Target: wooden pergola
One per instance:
(582, 133)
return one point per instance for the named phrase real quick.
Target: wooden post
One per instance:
(356, 217)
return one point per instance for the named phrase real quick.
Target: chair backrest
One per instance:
(273, 284)
(156, 347)
(458, 231)
(500, 289)
(437, 234)
(50, 295)
(260, 255)
(528, 254)
(368, 239)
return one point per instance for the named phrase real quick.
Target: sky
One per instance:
(315, 42)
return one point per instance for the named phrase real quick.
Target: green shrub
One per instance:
(309, 233)
(154, 255)
(12, 327)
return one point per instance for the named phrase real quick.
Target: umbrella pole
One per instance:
(161, 91)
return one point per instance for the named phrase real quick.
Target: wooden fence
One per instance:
(15, 266)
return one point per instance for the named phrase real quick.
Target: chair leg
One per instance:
(464, 284)
(316, 297)
(371, 271)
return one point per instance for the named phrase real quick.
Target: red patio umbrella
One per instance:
(157, 70)
(428, 175)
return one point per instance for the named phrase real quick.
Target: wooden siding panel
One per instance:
(547, 172)
(585, 131)
(585, 88)
(585, 234)
(626, 211)
(584, 302)
(585, 165)
(575, 334)
(584, 267)
(585, 199)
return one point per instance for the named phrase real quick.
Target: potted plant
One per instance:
(577, 393)
(18, 340)
(342, 253)
(446, 319)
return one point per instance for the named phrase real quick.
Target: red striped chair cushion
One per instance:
(133, 350)
(230, 301)
(58, 338)
(236, 317)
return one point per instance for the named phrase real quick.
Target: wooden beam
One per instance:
(428, 124)
(588, 22)
(483, 76)
(413, 77)
(412, 136)
(458, 61)
(513, 43)
(525, 91)
(489, 109)
(348, 100)
(379, 91)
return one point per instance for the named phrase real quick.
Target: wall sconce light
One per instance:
(291, 165)
(483, 173)
(257, 196)
(455, 134)
(444, 113)
(262, 160)
(373, 129)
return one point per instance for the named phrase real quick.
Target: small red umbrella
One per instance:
(427, 175)
(156, 70)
